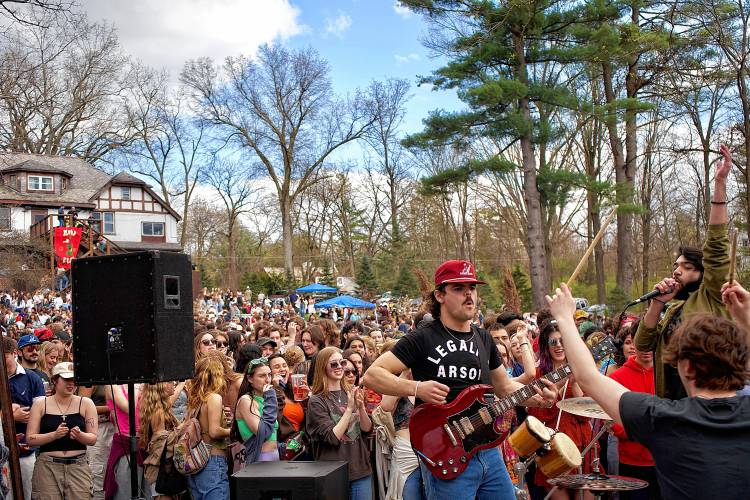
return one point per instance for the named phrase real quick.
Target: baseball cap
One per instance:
(64, 370)
(456, 271)
(44, 334)
(266, 340)
(27, 340)
(580, 313)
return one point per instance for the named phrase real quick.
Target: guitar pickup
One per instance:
(450, 435)
(468, 428)
(458, 429)
(484, 413)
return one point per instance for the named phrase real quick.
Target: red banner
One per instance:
(66, 241)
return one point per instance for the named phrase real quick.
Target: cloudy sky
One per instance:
(362, 39)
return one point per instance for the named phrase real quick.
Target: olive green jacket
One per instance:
(706, 299)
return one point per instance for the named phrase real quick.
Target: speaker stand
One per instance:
(135, 492)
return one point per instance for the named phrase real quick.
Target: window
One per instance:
(105, 222)
(64, 183)
(13, 181)
(125, 193)
(152, 228)
(41, 183)
(5, 219)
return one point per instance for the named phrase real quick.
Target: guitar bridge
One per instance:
(458, 429)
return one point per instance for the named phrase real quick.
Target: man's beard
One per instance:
(687, 289)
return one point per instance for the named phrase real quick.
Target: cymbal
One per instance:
(598, 482)
(583, 407)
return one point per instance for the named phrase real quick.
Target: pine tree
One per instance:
(366, 284)
(326, 275)
(406, 285)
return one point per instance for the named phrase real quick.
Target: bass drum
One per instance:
(531, 435)
(561, 456)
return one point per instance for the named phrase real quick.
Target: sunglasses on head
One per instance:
(208, 342)
(555, 342)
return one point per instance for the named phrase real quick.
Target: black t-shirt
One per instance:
(701, 447)
(456, 359)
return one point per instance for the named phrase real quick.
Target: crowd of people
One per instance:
(278, 379)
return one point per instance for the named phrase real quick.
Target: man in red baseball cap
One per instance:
(445, 357)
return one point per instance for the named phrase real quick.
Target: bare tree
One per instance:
(29, 11)
(232, 182)
(61, 89)
(281, 107)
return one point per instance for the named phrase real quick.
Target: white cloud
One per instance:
(401, 60)
(402, 10)
(166, 34)
(339, 25)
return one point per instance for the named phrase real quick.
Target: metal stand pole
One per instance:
(135, 493)
(9, 429)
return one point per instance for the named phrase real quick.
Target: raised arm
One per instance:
(718, 214)
(527, 358)
(604, 390)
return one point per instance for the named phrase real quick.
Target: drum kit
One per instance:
(556, 455)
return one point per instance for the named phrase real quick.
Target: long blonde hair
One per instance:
(209, 379)
(154, 401)
(320, 377)
(46, 347)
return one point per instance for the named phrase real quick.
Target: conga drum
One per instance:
(561, 456)
(531, 435)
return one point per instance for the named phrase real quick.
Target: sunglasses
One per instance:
(336, 364)
(349, 371)
(208, 342)
(555, 342)
(31, 348)
(222, 344)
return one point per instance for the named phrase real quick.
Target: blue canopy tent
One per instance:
(345, 301)
(316, 288)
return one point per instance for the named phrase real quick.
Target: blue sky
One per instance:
(361, 39)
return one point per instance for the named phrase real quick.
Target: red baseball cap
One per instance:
(456, 271)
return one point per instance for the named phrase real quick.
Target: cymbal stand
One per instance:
(520, 469)
(595, 462)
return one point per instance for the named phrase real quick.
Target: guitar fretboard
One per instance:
(525, 392)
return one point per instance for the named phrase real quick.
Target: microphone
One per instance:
(650, 295)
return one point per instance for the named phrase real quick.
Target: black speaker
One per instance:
(132, 318)
(292, 481)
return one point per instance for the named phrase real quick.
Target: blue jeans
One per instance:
(413, 486)
(361, 489)
(212, 483)
(485, 478)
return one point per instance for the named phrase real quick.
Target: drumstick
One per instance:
(590, 249)
(733, 258)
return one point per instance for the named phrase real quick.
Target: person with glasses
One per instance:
(222, 341)
(256, 414)
(29, 347)
(551, 357)
(337, 422)
(203, 343)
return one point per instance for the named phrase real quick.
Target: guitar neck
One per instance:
(525, 392)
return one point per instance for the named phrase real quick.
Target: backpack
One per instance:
(190, 452)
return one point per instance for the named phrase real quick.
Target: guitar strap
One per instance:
(484, 356)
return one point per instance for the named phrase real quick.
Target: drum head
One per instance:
(565, 447)
(538, 429)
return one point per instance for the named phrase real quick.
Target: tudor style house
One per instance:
(121, 209)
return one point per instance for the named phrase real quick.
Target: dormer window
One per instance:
(125, 192)
(41, 183)
(64, 183)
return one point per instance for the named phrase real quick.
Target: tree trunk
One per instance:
(531, 197)
(232, 281)
(287, 237)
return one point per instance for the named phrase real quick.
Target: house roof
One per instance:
(35, 166)
(142, 245)
(84, 187)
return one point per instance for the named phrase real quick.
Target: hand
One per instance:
(75, 433)
(267, 387)
(291, 328)
(737, 300)
(549, 393)
(351, 403)
(724, 165)
(277, 379)
(430, 391)
(562, 305)
(359, 395)
(61, 431)
(21, 414)
(668, 287)
(523, 334)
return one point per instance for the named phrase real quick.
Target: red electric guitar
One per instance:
(447, 436)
